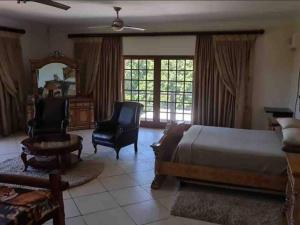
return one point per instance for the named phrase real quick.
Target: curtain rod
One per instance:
(13, 30)
(183, 33)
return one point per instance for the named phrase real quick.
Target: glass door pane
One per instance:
(139, 84)
(176, 87)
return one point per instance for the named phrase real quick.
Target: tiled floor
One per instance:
(121, 195)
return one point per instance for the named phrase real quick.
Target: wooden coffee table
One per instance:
(51, 151)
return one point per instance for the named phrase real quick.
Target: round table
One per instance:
(51, 151)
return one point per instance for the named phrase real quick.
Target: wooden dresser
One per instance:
(293, 189)
(81, 111)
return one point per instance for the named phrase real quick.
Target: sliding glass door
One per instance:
(163, 84)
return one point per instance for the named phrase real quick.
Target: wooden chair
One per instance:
(19, 205)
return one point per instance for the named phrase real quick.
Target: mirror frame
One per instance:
(37, 64)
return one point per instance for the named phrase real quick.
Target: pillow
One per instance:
(291, 139)
(288, 123)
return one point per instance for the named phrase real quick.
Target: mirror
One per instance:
(56, 79)
(55, 76)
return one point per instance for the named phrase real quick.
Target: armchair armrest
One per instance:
(32, 123)
(64, 123)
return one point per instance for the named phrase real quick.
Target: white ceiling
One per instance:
(147, 13)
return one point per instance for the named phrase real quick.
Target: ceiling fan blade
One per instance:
(99, 27)
(52, 3)
(134, 28)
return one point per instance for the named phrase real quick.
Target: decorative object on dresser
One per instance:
(58, 76)
(121, 130)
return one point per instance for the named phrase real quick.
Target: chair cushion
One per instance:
(106, 136)
(20, 206)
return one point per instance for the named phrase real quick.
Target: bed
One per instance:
(236, 157)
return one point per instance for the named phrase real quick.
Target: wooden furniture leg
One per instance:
(24, 159)
(55, 187)
(79, 153)
(136, 146)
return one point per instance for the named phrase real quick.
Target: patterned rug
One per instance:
(80, 173)
(228, 207)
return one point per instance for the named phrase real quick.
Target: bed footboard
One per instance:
(164, 149)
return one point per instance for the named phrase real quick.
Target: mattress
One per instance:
(239, 149)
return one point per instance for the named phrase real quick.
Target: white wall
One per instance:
(295, 71)
(164, 45)
(272, 73)
(59, 41)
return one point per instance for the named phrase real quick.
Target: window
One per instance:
(139, 84)
(176, 90)
(162, 84)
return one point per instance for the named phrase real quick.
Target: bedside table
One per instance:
(293, 189)
(274, 113)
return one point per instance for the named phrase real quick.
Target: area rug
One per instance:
(80, 173)
(228, 207)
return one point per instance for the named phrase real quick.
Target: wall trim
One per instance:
(182, 33)
(13, 30)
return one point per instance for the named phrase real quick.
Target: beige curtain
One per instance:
(213, 104)
(87, 51)
(109, 83)
(232, 53)
(11, 92)
(100, 66)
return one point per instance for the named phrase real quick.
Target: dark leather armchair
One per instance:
(50, 117)
(121, 130)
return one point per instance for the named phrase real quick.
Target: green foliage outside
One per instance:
(175, 87)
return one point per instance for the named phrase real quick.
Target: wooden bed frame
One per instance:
(163, 167)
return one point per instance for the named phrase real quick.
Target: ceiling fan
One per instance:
(48, 2)
(118, 24)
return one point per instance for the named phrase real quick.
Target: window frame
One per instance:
(156, 123)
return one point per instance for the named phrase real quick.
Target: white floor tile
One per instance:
(170, 187)
(146, 212)
(118, 182)
(109, 217)
(75, 221)
(112, 170)
(66, 195)
(71, 209)
(144, 177)
(89, 188)
(94, 203)
(168, 202)
(130, 195)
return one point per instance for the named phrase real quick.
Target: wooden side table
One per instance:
(51, 151)
(293, 189)
(274, 113)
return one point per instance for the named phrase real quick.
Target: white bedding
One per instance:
(240, 149)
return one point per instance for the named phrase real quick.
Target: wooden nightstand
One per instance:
(274, 113)
(293, 189)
